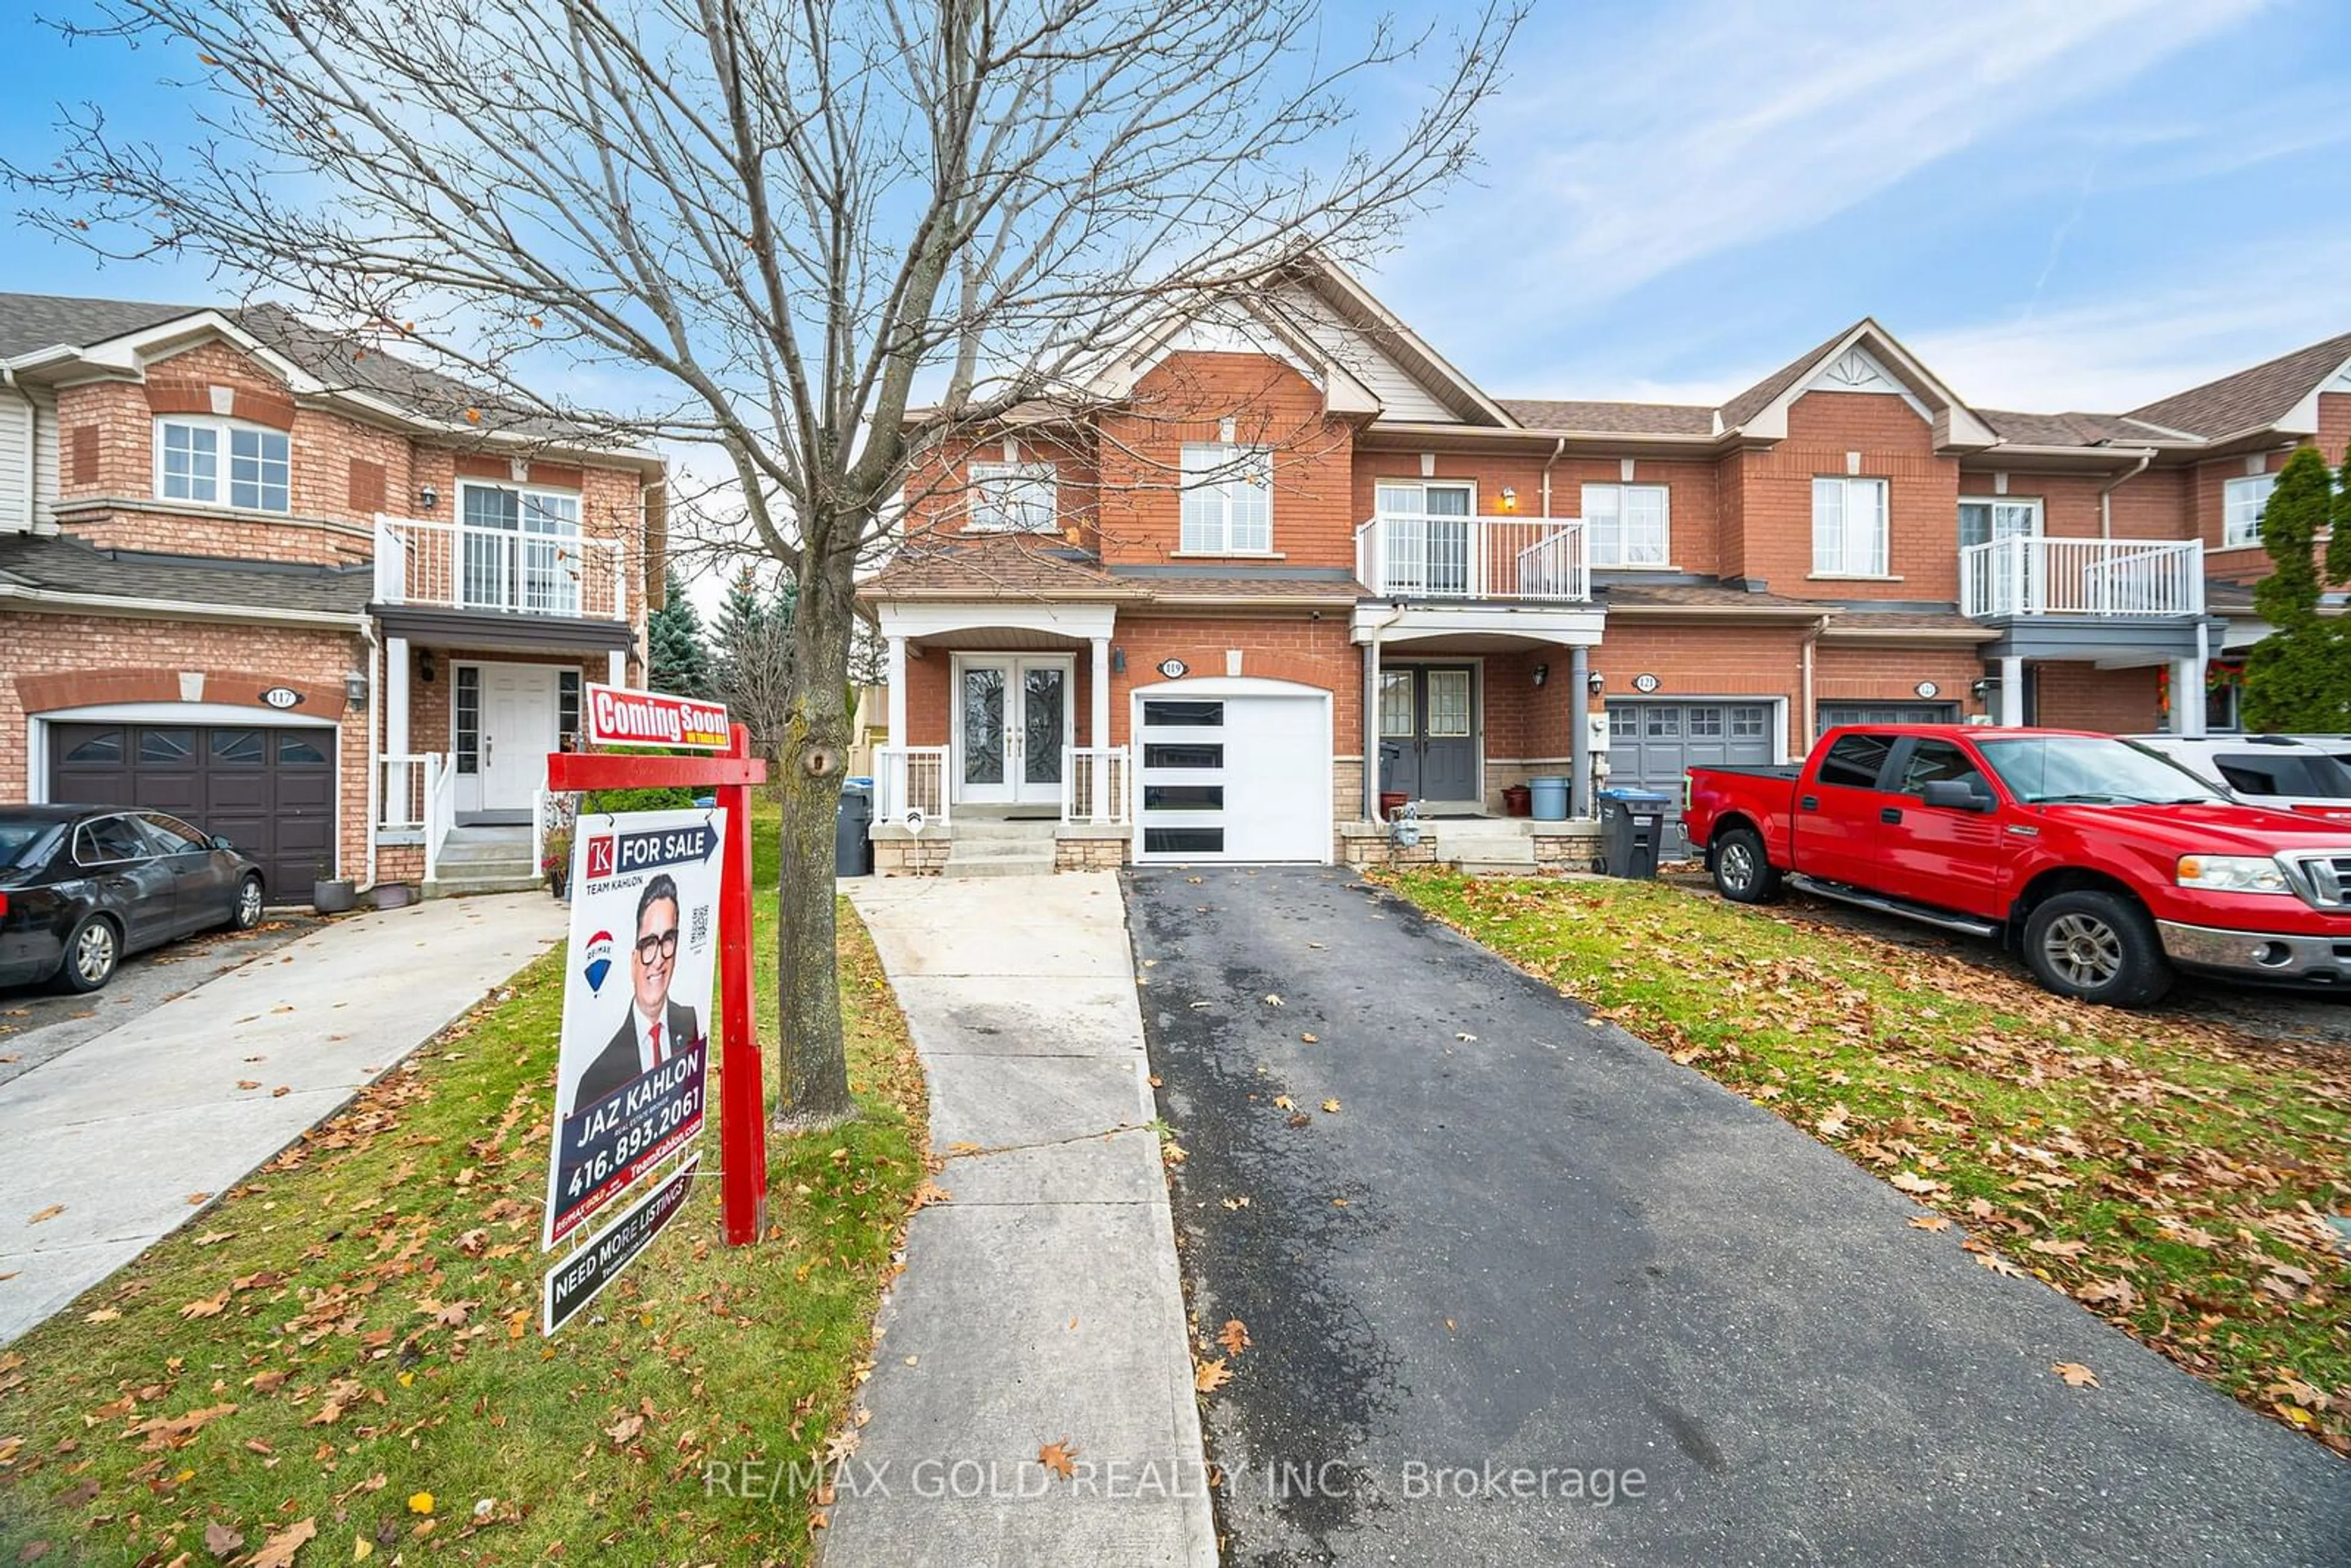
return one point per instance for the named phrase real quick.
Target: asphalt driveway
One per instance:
(1526, 1257)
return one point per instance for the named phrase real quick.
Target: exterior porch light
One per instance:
(1509, 499)
(428, 497)
(1117, 661)
(355, 688)
(1597, 683)
(1543, 674)
(425, 669)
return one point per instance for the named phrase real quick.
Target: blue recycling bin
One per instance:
(1549, 798)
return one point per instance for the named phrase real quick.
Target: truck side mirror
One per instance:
(1955, 795)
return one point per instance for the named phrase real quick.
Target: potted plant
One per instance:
(555, 861)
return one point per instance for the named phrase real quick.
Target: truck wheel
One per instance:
(1742, 872)
(2098, 947)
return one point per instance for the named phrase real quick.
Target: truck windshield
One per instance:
(2089, 770)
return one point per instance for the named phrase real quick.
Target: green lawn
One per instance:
(349, 1345)
(2170, 1176)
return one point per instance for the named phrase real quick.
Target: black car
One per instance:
(82, 885)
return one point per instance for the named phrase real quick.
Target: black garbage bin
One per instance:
(1631, 823)
(853, 849)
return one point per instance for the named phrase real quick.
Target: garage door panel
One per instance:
(270, 792)
(1652, 745)
(1234, 777)
(1831, 715)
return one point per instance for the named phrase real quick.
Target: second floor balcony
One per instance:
(517, 572)
(2027, 576)
(1426, 555)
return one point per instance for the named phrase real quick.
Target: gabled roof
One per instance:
(1746, 405)
(989, 566)
(1864, 352)
(29, 322)
(1354, 305)
(1612, 418)
(2250, 399)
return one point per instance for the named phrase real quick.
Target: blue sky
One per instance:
(2082, 203)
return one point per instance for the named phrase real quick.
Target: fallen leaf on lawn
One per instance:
(34, 1552)
(1233, 1336)
(103, 1315)
(361, 1549)
(198, 1199)
(207, 1307)
(172, 1431)
(1059, 1458)
(280, 1548)
(213, 1238)
(1211, 1376)
(421, 1502)
(625, 1429)
(1331, 1107)
(1979, 1209)
(2000, 1265)
(46, 1215)
(223, 1542)
(2049, 1249)
(2076, 1374)
(1929, 1222)
(1911, 1182)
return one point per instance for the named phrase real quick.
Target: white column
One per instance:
(616, 667)
(1098, 727)
(2012, 692)
(2188, 698)
(396, 665)
(897, 678)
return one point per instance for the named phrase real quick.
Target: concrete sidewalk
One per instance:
(118, 1134)
(1043, 1301)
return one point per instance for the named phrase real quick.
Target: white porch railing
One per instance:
(910, 778)
(1421, 555)
(418, 797)
(1094, 783)
(457, 565)
(2025, 576)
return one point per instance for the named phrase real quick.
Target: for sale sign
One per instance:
(620, 715)
(634, 1057)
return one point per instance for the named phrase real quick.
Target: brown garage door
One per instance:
(271, 792)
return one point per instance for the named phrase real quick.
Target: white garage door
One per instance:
(1233, 771)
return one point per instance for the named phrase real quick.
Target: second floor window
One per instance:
(219, 463)
(1227, 499)
(520, 549)
(1626, 525)
(1013, 497)
(1986, 522)
(1849, 527)
(2240, 509)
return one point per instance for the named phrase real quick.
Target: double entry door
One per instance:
(1011, 722)
(1428, 742)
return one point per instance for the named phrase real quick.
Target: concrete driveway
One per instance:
(1527, 1263)
(128, 1136)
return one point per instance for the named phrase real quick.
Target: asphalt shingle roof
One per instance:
(1614, 418)
(62, 564)
(988, 566)
(2250, 398)
(34, 321)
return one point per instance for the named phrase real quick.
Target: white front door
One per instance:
(519, 706)
(1012, 719)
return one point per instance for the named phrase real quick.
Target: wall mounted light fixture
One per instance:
(426, 670)
(355, 689)
(1509, 499)
(1597, 682)
(1543, 674)
(428, 497)
(1118, 661)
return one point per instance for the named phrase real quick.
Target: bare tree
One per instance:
(790, 218)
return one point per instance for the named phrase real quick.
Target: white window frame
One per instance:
(1832, 556)
(1013, 498)
(1221, 479)
(1658, 556)
(2013, 503)
(526, 495)
(550, 574)
(223, 485)
(2232, 491)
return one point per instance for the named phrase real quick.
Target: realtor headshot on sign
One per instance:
(654, 1028)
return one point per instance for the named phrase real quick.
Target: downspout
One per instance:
(2107, 493)
(1808, 720)
(1372, 716)
(374, 768)
(1554, 458)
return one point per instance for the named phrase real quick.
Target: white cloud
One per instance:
(1724, 124)
(2247, 306)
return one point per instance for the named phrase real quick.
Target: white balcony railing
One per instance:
(1094, 785)
(2025, 576)
(458, 566)
(910, 778)
(1420, 555)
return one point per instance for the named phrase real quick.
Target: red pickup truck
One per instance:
(2107, 866)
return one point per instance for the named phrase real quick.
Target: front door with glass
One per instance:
(1012, 721)
(1428, 746)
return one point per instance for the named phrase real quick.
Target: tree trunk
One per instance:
(815, 747)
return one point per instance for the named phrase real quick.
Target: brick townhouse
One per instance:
(312, 596)
(1157, 631)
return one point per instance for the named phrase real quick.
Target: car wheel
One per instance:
(2097, 947)
(92, 954)
(1743, 874)
(247, 913)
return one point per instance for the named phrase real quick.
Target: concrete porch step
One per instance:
(1000, 865)
(485, 854)
(988, 830)
(964, 849)
(461, 886)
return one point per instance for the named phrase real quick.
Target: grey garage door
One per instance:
(1832, 714)
(1652, 744)
(271, 792)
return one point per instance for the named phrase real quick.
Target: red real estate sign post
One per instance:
(616, 717)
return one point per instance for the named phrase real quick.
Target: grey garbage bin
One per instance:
(1631, 821)
(853, 849)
